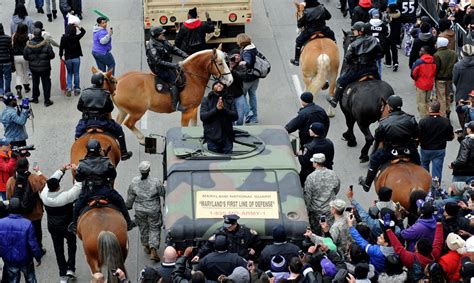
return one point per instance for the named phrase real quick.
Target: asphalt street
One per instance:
(273, 30)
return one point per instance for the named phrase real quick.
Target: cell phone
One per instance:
(397, 204)
(458, 131)
(349, 208)
(269, 274)
(464, 102)
(322, 219)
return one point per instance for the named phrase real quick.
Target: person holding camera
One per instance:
(217, 115)
(14, 119)
(465, 109)
(463, 166)
(7, 165)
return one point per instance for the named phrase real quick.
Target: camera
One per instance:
(23, 151)
(322, 219)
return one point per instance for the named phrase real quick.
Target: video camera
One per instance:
(23, 151)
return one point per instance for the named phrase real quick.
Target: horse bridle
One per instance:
(112, 82)
(209, 67)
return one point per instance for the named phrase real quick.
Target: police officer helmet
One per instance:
(359, 26)
(395, 102)
(367, 28)
(156, 31)
(93, 146)
(97, 79)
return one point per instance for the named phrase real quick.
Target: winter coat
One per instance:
(398, 278)
(14, 123)
(451, 36)
(377, 253)
(463, 72)
(395, 27)
(408, 258)
(317, 145)
(248, 54)
(101, 40)
(218, 123)
(18, 244)
(286, 250)
(185, 32)
(360, 14)
(217, 263)
(239, 73)
(17, 20)
(7, 169)
(445, 59)
(379, 30)
(464, 163)
(307, 115)
(39, 53)
(6, 50)
(424, 72)
(59, 204)
(65, 6)
(70, 46)
(37, 183)
(423, 228)
(373, 224)
(424, 39)
(451, 264)
(19, 45)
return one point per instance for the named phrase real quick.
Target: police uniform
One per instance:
(240, 240)
(96, 105)
(145, 195)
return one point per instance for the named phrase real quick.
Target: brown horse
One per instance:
(319, 62)
(103, 231)
(135, 93)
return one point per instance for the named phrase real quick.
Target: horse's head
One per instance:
(219, 68)
(110, 83)
(299, 8)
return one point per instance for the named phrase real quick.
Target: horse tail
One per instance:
(323, 63)
(110, 254)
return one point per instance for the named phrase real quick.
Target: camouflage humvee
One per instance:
(259, 182)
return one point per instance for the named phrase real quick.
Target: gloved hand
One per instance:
(175, 66)
(25, 103)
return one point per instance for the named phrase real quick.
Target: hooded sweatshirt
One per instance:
(102, 40)
(423, 228)
(379, 30)
(463, 72)
(17, 20)
(424, 72)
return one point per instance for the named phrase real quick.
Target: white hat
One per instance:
(455, 242)
(144, 166)
(318, 158)
(470, 244)
(338, 204)
(442, 42)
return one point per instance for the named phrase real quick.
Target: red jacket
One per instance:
(451, 264)
(7, 169)
(424, 72)
(408, 258)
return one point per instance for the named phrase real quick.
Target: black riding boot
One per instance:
(27, 88)
(296, 61)
(123, 149)
(367, 181)
(175, 99)
(337, 96)
(18, 91)
(55, 14)
(50, 17)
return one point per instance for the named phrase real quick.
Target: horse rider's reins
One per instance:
(213, 62)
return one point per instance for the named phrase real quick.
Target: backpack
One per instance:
(262, 66)
(23, 191)
(416, 272)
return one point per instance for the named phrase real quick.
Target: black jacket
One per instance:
(65, 6)
(435, 131)
(184, 35)
(398, 128)
(95, 102)
(6, 50)
(59, 217)
(218, 123)
(307, 115)
(165, 271)
(217, 263)
(314, 17)
(19, 44)
(96, 169)
(360, 15)
(239, 73)
(286, 250)
(363, 51)
(417, 44)
(39, 53)
(70, 45)
(464, 163)
(182, 271)
(317, 145)
(160, 55)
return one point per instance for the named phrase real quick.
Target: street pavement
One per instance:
(273, 30)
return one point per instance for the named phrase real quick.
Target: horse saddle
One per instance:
(317, 34)
(95, 130)
(97, 202)
(180, 82)
(366, 77)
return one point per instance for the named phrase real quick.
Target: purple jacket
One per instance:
(18, 242)
(102, 41)
(423, 228)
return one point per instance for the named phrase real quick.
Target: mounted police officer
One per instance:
(242, 240)
(360, 58)
(159, 57)
(398, 133)
(97, 174)
(96, 105)
(313, 20)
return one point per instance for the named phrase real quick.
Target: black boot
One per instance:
(175, 99)
(296, 61)
(55, 14)
(337, 96)
(18, 91)
(40, 10)
(366, 182)
(27, 88)
(50, 17)
(123, 149)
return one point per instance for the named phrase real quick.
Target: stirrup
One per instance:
(295, 62)
(180, 108)
(363, 183)
(159, 87)
(131, 225)
(332, 102)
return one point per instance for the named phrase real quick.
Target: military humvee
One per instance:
(259, 182)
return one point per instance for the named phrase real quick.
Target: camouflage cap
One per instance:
(338, 204)
(144, 166)
(318, 158)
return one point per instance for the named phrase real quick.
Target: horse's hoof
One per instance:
(363, 159)
(351, 143)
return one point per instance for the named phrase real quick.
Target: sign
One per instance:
(256, 204)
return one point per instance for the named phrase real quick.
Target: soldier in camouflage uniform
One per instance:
(145, 192)
(320, 188)
(243, 241)
(339, 231)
